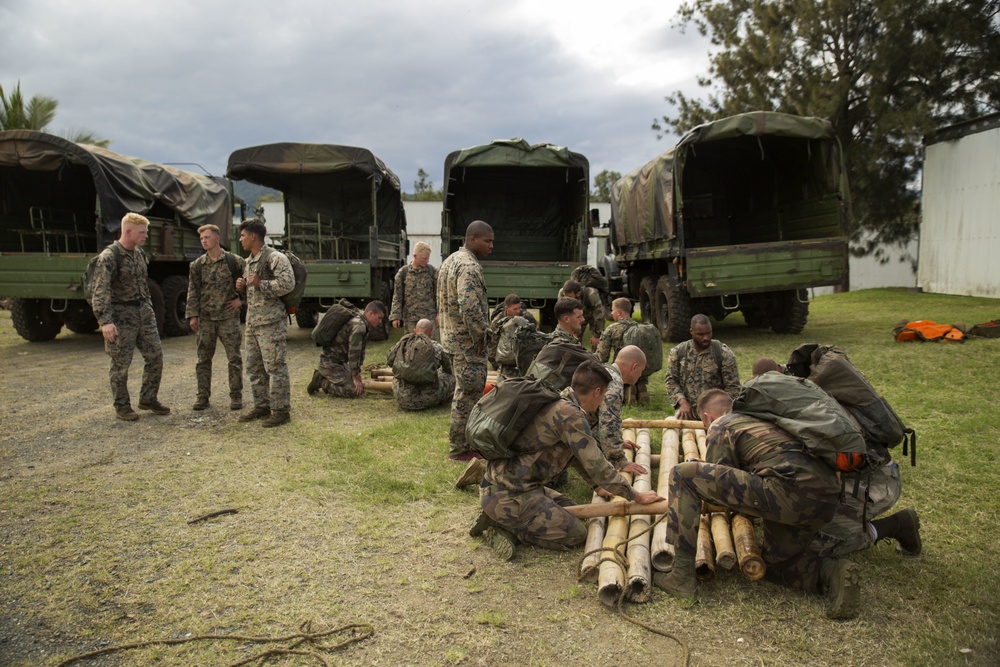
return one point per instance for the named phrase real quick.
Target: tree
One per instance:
(423, 189)
(885, 72)
(37, 114)
(602, 185)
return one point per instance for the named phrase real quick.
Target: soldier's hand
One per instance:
(194, 324)
(628, 444)
(604, 493)
(635, 469)
(241, 284)
(647, 497)
(594, 341)
(397, 323)
(359, 387)
(235, 305)
(684, 410)
(110, 332)
(254, 280)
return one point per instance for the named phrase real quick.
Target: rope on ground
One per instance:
(359, 632)
(622, 562)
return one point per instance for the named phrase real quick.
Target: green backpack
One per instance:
(557, 361)
(646, 337)
(333, 320)
(809, 414)
(528, 341)
(500, 416)
(293, 298)
(413, 359)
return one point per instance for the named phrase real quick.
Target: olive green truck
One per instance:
(61, 203)
(743, 214)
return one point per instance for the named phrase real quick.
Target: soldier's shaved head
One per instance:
(714, 402)
(478, 228)
(589, 376)
(700, 319)
(424, 326)
(764, 365)
(631, 361)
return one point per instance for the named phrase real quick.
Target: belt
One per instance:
(127, 303)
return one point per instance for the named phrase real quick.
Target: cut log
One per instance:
(725, 553)
(662, 423)
(639, 575)
(662, 553)
(747, 551)
(704, 560)
(378, 385)
(689, 443)
(610, 575)
(595, 538)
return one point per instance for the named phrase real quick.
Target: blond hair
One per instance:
(214, 228)
(421, 248)
(134, 219)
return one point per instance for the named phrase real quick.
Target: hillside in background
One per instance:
(251, 192)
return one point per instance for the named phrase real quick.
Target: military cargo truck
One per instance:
(535, 198)
(61, 203)
(743, 214)
(343, 218)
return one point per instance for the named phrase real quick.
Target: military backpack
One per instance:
(90, 275)
(333, 320)
(299, 271)
(557, 361)
(499, 417)
(414, 359)
(646, 337)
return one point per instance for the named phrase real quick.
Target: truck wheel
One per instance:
(156, 298)
(306, 318)
(791, 314)
(673, 310)
(33, 320)
(647, 301)
(84, 326)
(175, 289)
(755, 317)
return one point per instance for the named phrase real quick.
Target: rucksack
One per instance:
(590, 276)
(924, 330)
(809, 414)
(500, 416)
(506, 341)
(557, 361)
(989, 329)
(333, 320)
(413, 359)
(829, 367)
(293, 298)
(90, 274)
(646, 337)
(528, 341)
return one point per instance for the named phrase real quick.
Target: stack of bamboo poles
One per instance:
(382, 380)
(621, 551)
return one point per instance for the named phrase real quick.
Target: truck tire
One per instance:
(156, 299)
(647, 301)
(305, 318)
(791, 313)
(175, 290)
(755, 317)
(82, 326)
(673, 310)
(33, 320)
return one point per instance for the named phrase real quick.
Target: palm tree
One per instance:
(37, 115)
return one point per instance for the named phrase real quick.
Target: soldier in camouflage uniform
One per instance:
(339, 372)
(757, 469)
(517, 503)
(465, 328)
(213, 309)
(411, 396)
(267, 277)
(415, 291)
(612, 340)
(122, 306)
(692, 369)
(503, 326)
(593, 309)
(627, 367)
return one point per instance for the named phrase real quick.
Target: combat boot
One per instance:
(256, 413)
(681, 581)
(315, 384)
(482, 522)
(473, 474)
(201, 403)
(904, 527)
(503, 541)
(277, 418)
(841, 583)
(155, 407)
(236, 403)
(126, 413)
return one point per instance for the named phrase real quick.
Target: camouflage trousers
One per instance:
(209, 333)
(136, 330)
(848, 531)
(265, 348)
(422, 396)
(790, 519)
(535, 517)
(470, 380)
(337, 378)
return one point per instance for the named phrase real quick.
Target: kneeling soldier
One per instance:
(422, 376)
(339, 372)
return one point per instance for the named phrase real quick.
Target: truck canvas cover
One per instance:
(122, 184)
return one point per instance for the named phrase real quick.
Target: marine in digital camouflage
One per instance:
(594, 313)
(470, 381)
(342, 360)
(266, 334)
(609, 430)
(514, 491)
(121, 297)
(211, 286)
(757, 469)
(422, 396)
(414, 295)
(691, 372)
(612, 341)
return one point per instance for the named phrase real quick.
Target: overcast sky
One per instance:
(187, 81)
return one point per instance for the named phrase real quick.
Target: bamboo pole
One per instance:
(725, 552)
(704, 563)
(377, 385)
(662, 423)
(689, 443)
(747, 551)
(702, 440)
(386, 374)
(610, 575)
(595, 539)
(661, 552)
(639, 573)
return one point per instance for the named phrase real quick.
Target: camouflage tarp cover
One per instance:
(122, 183)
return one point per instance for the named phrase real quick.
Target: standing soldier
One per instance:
(697, 365)
(413, 296)
(613, 340)
(339, 372)
(213, 308)
(465, 325)
(267, 277)
(122, 307)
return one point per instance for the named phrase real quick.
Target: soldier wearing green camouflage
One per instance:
(612, 340)
(122, 306)
(515, 497)
(627, 367)
(411, 396)
(692, 369)
(213, 310)
(415, 291)
(757, 469)
(267, 277)
(340, 362)
(503, 345)
(465, 332)
(593, 309)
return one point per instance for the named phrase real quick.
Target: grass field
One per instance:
(348, 515)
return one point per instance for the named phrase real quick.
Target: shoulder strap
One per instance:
(403, 273)
(234, 266)
(717, 353)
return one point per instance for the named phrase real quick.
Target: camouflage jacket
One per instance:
(611, 340)
(690, 372)
(461, 301)
(761, 448)
(264, 305)
(349, 345)
(414, 294)
(609, 432)
(120, 277)
(558, 436)
(211, 286)
(563, 335)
